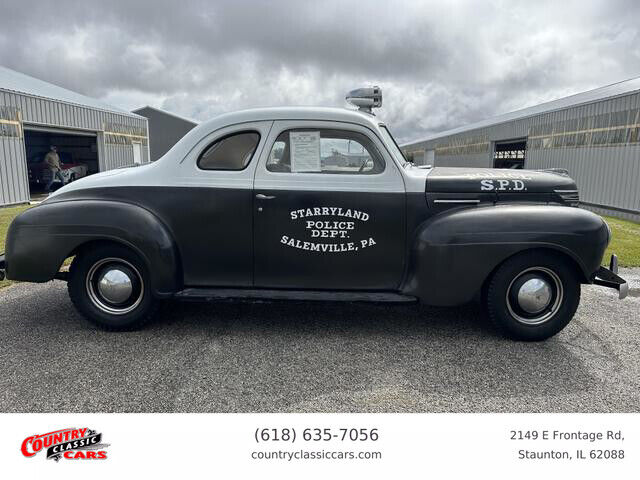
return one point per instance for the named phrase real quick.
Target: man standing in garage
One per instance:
(52, 161)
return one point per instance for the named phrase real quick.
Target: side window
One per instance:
(232, 152)
(324, 151)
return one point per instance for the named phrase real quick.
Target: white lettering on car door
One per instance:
(330, 223)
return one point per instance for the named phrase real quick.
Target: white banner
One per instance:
(320, 445)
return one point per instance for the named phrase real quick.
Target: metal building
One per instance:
(165, 129)
(90, 135)
(594, 135)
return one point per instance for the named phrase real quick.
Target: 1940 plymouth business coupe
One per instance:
(314, 204)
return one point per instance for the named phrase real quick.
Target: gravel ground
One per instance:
(313, 357)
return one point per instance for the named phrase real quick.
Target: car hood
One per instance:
(494, 180)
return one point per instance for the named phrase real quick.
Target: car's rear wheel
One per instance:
(534, 295)
(109, 285)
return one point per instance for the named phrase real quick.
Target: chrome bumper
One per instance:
(608, 277)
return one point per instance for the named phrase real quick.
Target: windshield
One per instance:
(391, 143)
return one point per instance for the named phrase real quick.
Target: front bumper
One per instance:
(2, 267)
(608, 277)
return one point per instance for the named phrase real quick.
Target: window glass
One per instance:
(634, 131)
(599, 137)
(534, 144)
(619, 118)
(571, 126)
(558, 139)
(232, 152)
(601, 121)
(391, 142)
(600, 129)
(619, 135)
(324, 151)
(583, 139)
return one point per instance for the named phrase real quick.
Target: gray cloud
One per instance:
(441, 65)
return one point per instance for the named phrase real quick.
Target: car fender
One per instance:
(453, 253)
(41, 238)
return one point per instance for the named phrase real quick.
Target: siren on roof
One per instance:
(365, 98)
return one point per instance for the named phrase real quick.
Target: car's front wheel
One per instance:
(109, 285)
(533, 296)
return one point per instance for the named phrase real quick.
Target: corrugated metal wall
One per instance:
(54, 113)
(164, 130)
(607, 170)
(46, 112)
(119, 155)
(14, 183)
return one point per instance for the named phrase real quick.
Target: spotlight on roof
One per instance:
(365, 98)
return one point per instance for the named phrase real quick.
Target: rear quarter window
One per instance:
(231, 152)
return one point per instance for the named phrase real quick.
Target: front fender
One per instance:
(41, 238)
(454, 253)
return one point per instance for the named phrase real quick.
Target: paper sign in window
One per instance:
(305, 151)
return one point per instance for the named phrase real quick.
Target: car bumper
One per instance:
(2, 267)
(608, 277)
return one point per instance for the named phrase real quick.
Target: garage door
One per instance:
(76, 149)
(61, 131)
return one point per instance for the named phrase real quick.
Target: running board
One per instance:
(302, 295)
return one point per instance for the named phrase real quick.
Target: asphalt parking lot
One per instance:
(314, 357)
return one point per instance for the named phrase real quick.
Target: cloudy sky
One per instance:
(440, 64)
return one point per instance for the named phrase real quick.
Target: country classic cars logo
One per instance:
(70, 443)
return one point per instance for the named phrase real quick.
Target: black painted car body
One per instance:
(403, 233)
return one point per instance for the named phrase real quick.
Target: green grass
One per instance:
(6, 215)
(625, 242)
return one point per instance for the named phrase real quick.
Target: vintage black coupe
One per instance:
(314, 204)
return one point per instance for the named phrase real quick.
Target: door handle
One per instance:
(262, 196)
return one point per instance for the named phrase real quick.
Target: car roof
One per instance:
(184, 145)
(291, 113)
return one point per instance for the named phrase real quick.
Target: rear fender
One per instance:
(454, 253)
(41, 238)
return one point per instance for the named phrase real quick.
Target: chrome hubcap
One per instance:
(115, 286)
(535, 295)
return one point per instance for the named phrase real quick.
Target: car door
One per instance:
(329, 209)
(210, 206)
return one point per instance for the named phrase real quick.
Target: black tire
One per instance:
(504, 304)
(89, 266)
